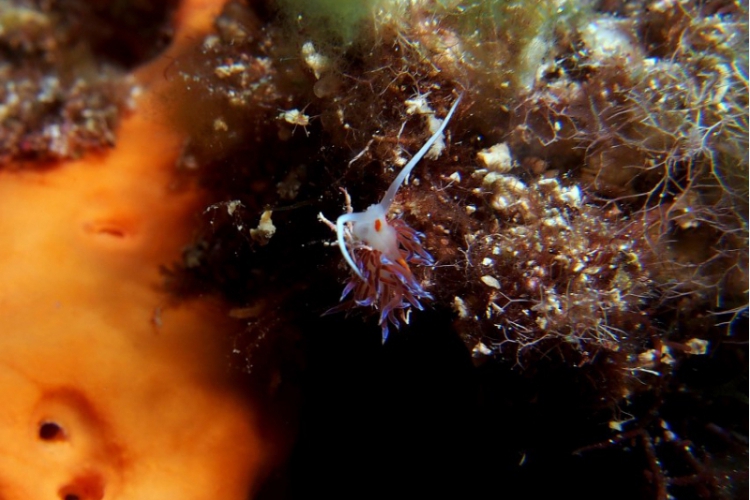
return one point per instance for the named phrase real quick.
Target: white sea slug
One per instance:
(379, 251)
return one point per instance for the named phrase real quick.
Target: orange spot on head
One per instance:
(378, 225)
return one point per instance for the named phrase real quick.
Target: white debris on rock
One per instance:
(460, 307)
(490, 281)
(496, 158)
(316, 61)
(265, 230)
(418, 105)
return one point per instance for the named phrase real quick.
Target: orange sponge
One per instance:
(107, 390)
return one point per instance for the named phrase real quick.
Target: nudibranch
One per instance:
(380, 250)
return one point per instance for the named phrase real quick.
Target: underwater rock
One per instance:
(63, 67)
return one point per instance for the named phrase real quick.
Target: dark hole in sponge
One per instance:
(71, 496)
(50, 431)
